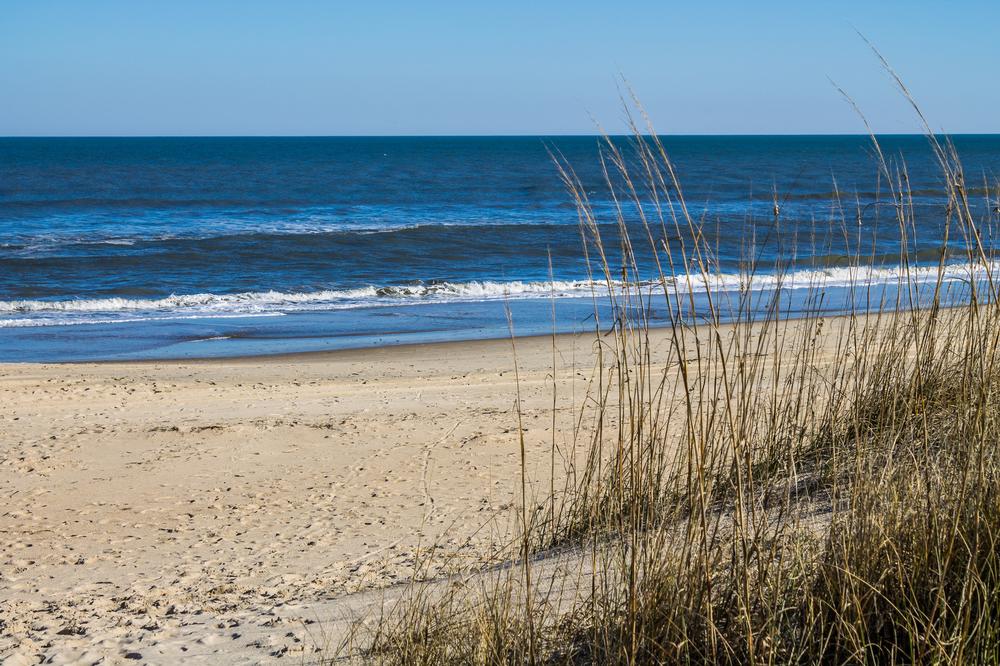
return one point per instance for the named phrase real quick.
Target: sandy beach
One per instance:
(208, 510)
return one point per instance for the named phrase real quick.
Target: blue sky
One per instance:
(135, 67)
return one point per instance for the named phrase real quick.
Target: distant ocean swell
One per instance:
(21, 313)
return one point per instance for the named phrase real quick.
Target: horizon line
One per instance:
(482, 136)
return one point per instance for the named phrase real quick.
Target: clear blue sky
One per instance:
(210, 67)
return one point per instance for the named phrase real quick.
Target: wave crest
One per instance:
(206, 305)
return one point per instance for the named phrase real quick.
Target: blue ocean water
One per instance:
(181, 247)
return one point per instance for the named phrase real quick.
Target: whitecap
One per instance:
(274, 302)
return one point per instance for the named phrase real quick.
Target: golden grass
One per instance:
(782, 490)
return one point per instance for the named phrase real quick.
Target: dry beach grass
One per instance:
(786, 488)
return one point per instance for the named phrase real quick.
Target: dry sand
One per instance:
(224, 511)
(243, 511)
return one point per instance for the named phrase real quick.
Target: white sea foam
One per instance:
(262, 301)
(192, 306)
(85, 319)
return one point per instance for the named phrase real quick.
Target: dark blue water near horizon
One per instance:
(180, 247)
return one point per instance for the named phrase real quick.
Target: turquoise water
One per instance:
(181, 247)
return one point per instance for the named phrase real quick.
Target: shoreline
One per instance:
(330, 332)
(350, 354)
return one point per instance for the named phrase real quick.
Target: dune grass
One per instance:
(785, 487)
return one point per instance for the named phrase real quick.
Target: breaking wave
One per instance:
(19, 313)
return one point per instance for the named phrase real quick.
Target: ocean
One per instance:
(142, 248)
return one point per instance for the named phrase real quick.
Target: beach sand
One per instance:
(244, 510)
(214, 510)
